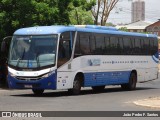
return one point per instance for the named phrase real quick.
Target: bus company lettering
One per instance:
(94, 62)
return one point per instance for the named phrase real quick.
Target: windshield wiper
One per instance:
(20, 58)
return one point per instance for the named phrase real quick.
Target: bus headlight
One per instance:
(12, 75)
(45, 76)
(48, 74)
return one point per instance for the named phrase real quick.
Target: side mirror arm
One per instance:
(4, 43)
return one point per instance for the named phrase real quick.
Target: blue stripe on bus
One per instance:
(155, 59)
(106, 78)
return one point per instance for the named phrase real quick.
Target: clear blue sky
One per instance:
(122, 11)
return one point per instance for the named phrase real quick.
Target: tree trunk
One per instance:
(106, 7)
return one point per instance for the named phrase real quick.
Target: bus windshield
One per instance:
(33, 51)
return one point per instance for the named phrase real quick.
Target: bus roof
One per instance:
(45, 30)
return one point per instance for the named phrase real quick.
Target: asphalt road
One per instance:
(113, 98)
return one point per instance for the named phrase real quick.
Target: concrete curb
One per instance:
(150, 102)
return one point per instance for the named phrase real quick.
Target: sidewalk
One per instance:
(152, 102)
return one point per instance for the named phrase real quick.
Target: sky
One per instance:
(122, 12)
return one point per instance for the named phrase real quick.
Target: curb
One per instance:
(150, 102)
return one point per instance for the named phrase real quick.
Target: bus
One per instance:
(72, 57)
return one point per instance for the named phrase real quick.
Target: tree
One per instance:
(123, 29)
(102, 10)
(15, 14)
(81, 12)
(78, 16)
(110, 24)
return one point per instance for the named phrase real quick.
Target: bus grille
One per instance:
(28, 78)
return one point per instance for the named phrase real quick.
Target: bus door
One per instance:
(63, 63)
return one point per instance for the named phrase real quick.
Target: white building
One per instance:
(139, 26)
(138, 11)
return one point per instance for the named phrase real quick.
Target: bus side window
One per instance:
(64, 51)
(82, 45)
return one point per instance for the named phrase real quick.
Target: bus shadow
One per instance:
(83, 92)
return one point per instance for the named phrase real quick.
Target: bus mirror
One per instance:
(5, 43)
(61, 37)
(3, 46)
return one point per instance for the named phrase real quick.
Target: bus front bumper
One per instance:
(44, 83)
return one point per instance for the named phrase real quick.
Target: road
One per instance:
(113, 98)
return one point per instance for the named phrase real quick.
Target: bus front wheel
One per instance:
(132, 83)
(77, 84)
(38, 91)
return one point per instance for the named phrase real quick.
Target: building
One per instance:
(138, 11)
(139, 26)
(143, 26)
(154, 28)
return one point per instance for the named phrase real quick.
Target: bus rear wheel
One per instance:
(98, 88)
(77, 84)
(38, 91)
(132, 83)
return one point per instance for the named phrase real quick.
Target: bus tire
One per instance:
(132, 83)
(38, 91)
(98, 88)
(77, 84)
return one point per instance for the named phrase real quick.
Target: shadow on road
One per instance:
(83, 92)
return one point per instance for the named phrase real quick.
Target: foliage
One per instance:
(81, 12)
(78, 16)
(123, 29)
(110, 24)
(15, 14)
(22, 13)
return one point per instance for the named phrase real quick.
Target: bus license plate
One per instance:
(28, 86)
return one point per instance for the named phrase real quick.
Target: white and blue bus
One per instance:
(71, 57)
